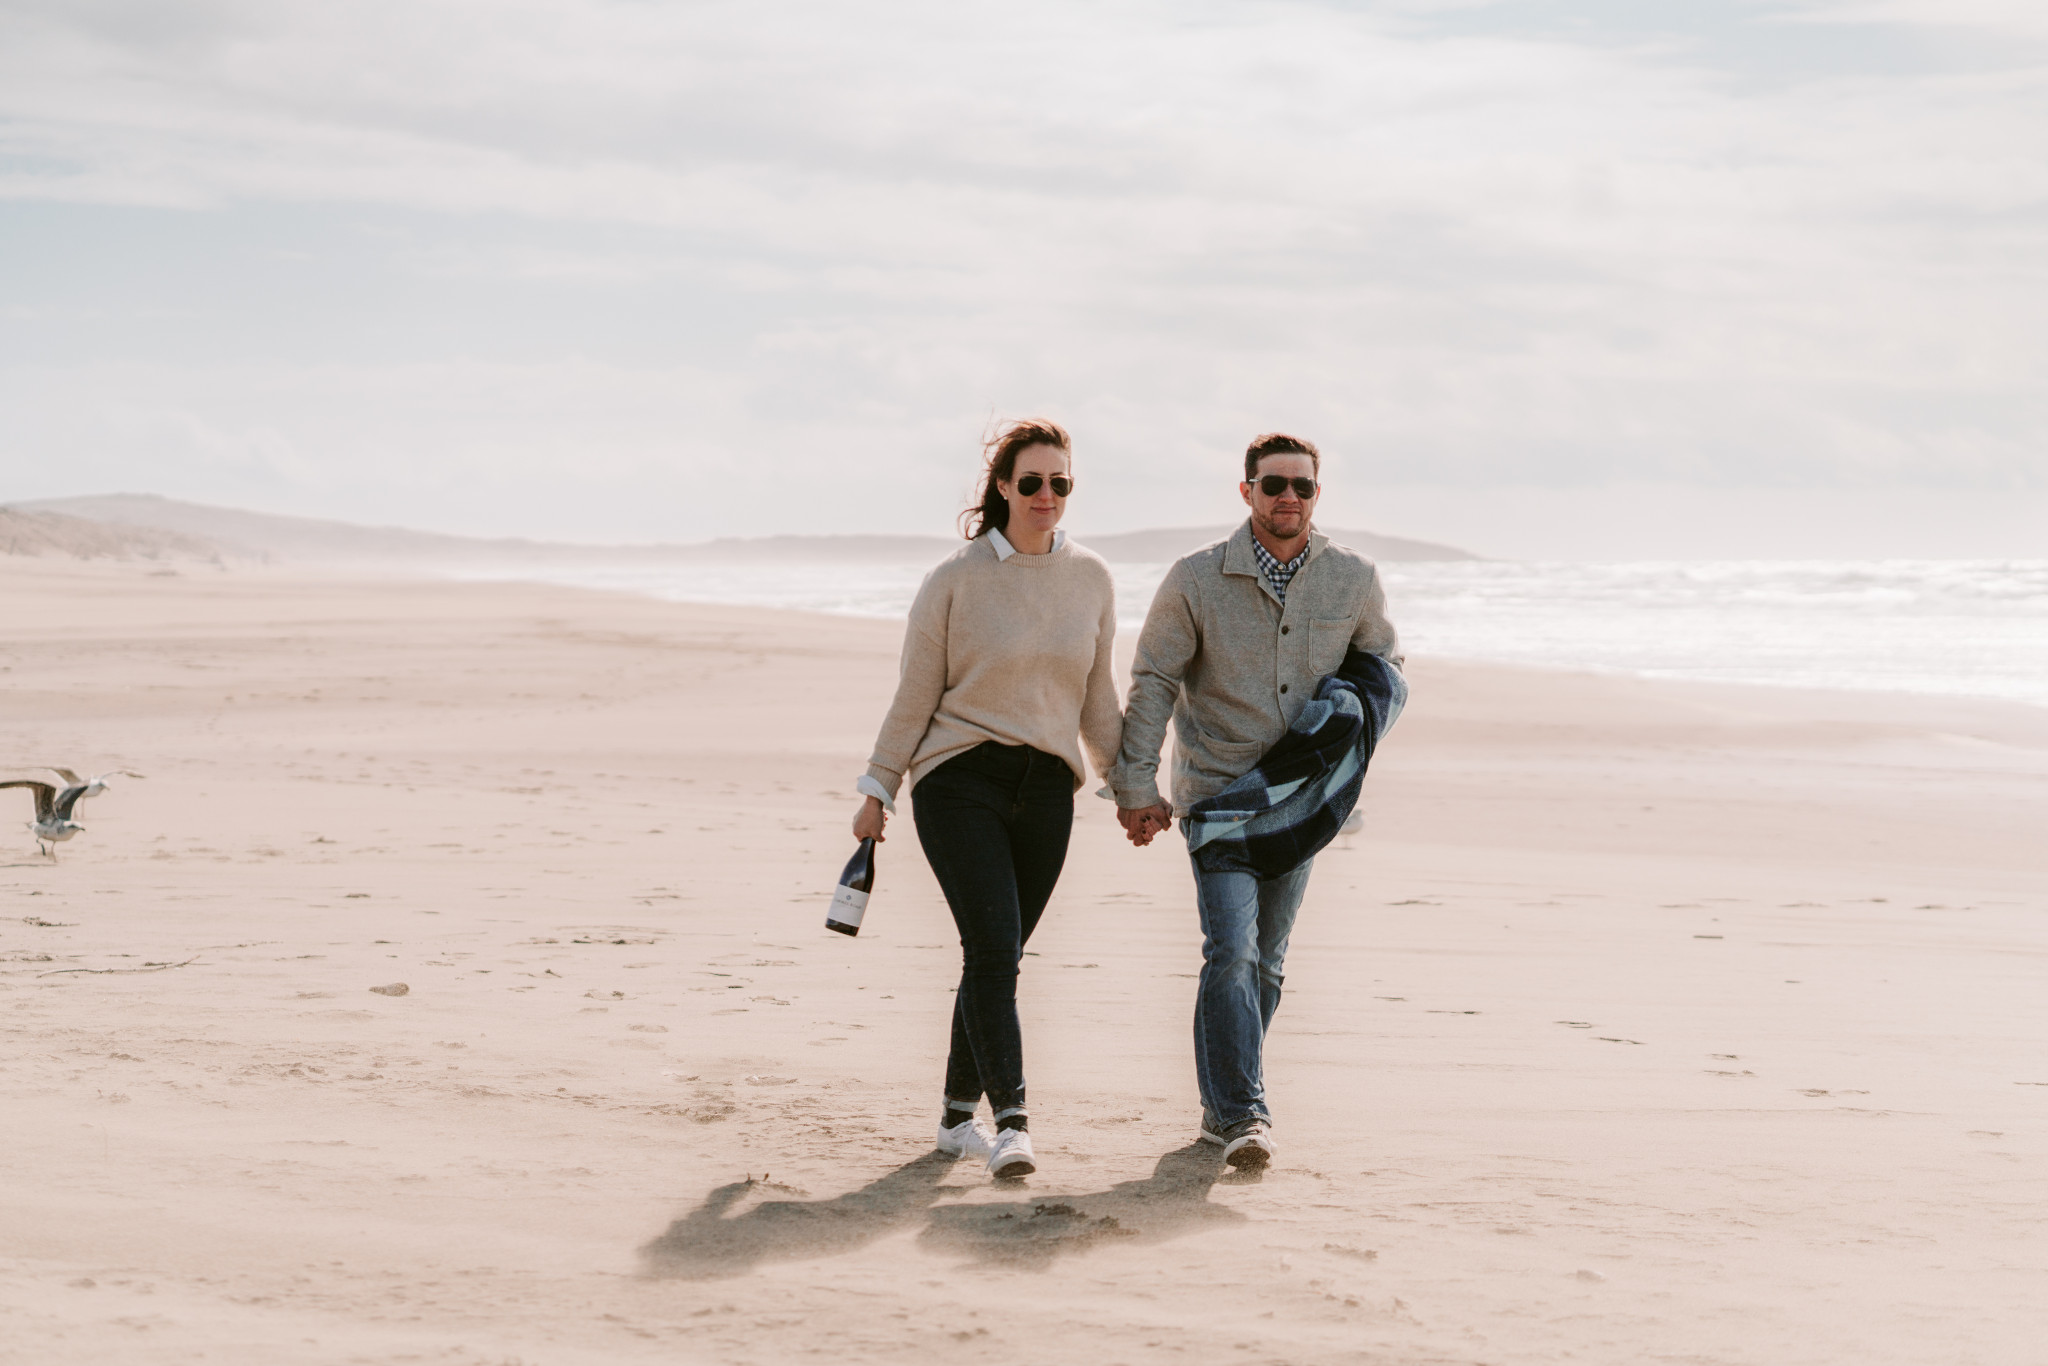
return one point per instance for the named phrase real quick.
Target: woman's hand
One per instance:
(869, 820)
(1141, 823)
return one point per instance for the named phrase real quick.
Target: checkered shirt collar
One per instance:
(1278, 574)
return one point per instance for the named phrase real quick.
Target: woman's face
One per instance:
(1041, 511)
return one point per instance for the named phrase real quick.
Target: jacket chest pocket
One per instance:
(1328, 639)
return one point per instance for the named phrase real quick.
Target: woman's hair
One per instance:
(992, 511)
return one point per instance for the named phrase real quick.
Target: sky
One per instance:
(1549, 278)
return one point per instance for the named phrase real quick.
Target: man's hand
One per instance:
(1141, 823)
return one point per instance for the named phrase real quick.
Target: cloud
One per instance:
(1542, 243)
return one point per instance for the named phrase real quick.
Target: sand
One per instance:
(1646, 1022)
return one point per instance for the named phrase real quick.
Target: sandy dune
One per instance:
(58, 535)
(1646, 1023)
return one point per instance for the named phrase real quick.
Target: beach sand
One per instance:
(1645, 1022)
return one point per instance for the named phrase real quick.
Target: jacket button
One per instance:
(1283, 687)
(1283, 630)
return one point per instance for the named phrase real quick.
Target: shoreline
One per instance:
(2013, 681)
(401, 575)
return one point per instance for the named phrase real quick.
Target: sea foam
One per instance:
(1972, 628)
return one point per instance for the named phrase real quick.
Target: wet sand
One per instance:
(1645, 1022)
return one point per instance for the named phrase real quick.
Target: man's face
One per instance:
(1283, 515)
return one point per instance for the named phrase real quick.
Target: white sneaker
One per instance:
(969, 1138)
(1252, 1148)
(1012, 1155)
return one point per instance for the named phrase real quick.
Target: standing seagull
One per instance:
(53, 821)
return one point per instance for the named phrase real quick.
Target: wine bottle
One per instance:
(850, 897)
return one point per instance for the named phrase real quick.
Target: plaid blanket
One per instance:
(1280, 815)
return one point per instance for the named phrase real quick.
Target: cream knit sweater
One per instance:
(1013, 649)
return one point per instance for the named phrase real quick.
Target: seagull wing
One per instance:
(46, 796)
(66, 774)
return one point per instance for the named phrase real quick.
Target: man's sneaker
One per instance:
(1212, 1130)
(1250, 1145)
(1012, 1155)
(969, 1138)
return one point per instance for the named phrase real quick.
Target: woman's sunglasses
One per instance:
(1030, 484)
(1273, 485)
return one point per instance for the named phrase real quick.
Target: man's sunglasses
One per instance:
(1030, 484)
(1273, 485)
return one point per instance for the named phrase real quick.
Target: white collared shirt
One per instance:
(1000, 543)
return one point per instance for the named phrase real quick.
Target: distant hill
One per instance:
(307, 540)
(266, 536)
(81, 538)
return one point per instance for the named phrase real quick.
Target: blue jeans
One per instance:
(1245, 924)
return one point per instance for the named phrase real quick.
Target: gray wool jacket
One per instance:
(1232, 665)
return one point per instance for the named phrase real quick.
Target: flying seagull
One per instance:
(54, 805)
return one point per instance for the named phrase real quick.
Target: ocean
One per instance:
(1965, 628)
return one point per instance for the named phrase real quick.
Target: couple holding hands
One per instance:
(1006, 678)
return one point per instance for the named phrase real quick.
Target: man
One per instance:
(1238, 636)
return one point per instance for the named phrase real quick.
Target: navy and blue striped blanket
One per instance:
(1281, 814)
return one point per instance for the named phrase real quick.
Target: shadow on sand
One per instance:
(708, 1242)
(1029, 1234)
(711, 1242)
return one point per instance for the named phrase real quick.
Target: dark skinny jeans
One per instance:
(994, 823)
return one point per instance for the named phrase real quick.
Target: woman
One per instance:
(1006, 659)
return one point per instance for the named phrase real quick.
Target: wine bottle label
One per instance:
(847, 906)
